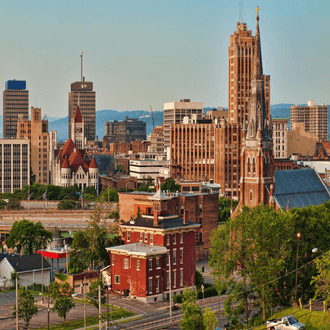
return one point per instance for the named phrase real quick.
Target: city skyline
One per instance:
(148, 52)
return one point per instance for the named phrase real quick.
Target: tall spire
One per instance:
(257, 72)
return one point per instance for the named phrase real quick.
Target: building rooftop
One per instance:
(300, 188)
(26, 262)
(138, 249)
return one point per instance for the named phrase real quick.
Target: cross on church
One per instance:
(257, 9)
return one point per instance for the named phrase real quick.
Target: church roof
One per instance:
(300, 188)
(93, 163)
(65, 164)
(77, 115)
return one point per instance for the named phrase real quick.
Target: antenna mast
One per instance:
(241, 18)
(81, 59)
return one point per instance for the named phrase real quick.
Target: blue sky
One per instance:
(147, 52)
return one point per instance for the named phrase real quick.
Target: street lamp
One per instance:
(42, 270)
(295, 294)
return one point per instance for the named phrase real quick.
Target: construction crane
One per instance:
(153, 117)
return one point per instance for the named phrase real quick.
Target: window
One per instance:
(117, 279)
(140, 237)
(181, 238)
(125, 263)
(157, 263)
(174, 256)
(150, 285)
(167, 239)
(145, 237)
(182, 210)
(168, 258)
(167, 280)
(181, 256)
(151, 239)
(113, 260)
(157, 284)
(200, 208)
(128, 236)
(181, 277)
(174, 278)
(138, 265)
(174, 238)
(150, 264)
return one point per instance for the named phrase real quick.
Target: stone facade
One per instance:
(280, 137)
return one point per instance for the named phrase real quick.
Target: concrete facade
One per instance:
(314, 116)
(15, 164)
(174, 112)
(280, 137)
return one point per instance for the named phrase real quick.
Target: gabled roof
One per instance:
(77, 115)
(68, 148)
(93, 163)
(26, 262)
(299, 188)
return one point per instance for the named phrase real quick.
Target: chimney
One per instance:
(185, 217)
(271, 190)
(155, 218)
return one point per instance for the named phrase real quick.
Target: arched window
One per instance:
(249, 166)
(254, 166)
(251, 195)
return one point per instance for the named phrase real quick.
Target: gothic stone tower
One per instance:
(77, 129)
(257, 161)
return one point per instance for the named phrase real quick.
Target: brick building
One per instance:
(203, 210)
(156, 139)
(36, 130)
(220, 158)
(119, 181)
(158, 258)
(134, 147)
(314, 116)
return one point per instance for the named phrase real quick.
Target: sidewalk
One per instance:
(207, 271)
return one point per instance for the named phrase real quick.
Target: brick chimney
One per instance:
(185, 217)
(155, 218)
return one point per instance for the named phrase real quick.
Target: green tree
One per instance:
(225, 205)
(322, 279)
(26, 308)
(79, 253)
(210, 320)
(199, 279)
(13, 276)
(68, 204)
(192, 318)
(27, 236)
(93, 294)
(253, 247)
(110, 194)
(170, 185)
(61, 295)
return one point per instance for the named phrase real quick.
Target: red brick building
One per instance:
(158, 258)
(203, 210)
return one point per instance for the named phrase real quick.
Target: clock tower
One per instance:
(77, 129)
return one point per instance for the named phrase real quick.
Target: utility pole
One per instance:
(48, 311)
(42, 270)
(169, 262)
(106, 322)
(85, 303)
(16, 302)
(100, 323)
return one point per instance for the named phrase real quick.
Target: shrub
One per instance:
(177, 299)
(68, 204)
(62, 277)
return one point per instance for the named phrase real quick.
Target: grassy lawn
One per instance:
(81, 301)
(312, 320)
(79, 323)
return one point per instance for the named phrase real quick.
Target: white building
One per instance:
(149, 165)
(30, 269)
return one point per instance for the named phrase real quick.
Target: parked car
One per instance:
(285, 323)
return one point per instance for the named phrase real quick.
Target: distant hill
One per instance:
(281, 110)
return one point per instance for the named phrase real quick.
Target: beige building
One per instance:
(300, 141)
(280, 137)
(156, 139)
(174, 112)
(14, 164)
(36, 130)
(15, 102)
(315, 118)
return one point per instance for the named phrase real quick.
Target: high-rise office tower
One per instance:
(174, 112)
(314, 116)
(15, 102)
(82, 93)
(240, 69)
